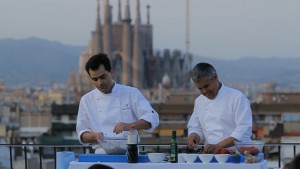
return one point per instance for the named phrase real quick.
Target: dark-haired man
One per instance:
(111, 108)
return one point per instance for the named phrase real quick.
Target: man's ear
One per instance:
(216, 77)
(112, 72)
(88, 72)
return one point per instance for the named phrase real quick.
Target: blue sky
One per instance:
(220, 29)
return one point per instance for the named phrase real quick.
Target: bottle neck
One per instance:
(132, 137)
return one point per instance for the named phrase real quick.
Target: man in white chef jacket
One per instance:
(221, 114)
(110, 109)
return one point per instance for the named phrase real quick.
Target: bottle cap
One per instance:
(132, 127)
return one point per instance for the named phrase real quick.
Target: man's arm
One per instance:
(195, 133)
(228, 142)
(148, 118)
(243, 120)
(140, 124)
(89, 137)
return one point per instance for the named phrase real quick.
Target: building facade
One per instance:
(129, 45)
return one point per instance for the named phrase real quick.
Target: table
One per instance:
(167, 165)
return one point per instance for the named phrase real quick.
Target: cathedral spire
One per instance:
(127, 11)
(148, 14)
(126, 47)
(138, 13)
(106, 11)
(97, 35)
(107, 30)
(138, 58)
(98, 7)
(119, 12)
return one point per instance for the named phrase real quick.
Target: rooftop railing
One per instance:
(280, 153)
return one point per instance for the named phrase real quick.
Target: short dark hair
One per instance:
(100, 166)
(95, 61)
(202, 70)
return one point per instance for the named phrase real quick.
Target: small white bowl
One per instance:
(253, 147)
(190, 158)
(222, 158)
(156, 157)
(206, 158)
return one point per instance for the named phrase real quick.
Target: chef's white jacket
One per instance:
(99, 112)
(228, 114)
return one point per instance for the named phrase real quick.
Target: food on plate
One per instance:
(253, 147)
(250, 158)
(224, 151)
(251, 150)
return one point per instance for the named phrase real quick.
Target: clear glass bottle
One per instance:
(132, 145)
(174, 148)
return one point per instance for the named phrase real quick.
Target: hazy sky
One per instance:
(218, 28)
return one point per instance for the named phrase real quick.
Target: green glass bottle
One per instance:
(174, 148)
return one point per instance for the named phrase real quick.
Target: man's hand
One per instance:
(210, 148)
(88, 137)
(228, 142)
(121, 127)
(99, 136)
(193, 140)
(141, 124)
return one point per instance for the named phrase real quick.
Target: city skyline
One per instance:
(221, 29)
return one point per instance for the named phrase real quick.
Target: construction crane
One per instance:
(187, 28)
(187, 56)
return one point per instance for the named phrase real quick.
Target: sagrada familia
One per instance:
(130, 48)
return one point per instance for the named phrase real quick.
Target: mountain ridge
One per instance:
(39, 61)
(33, 60)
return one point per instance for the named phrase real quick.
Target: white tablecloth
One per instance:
(167, 165)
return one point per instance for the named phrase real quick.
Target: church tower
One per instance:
(97, 34)
(126, 47)
(107, 30)
(138, 58)
(95, 46)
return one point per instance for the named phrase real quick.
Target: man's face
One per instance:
(102, 79)
(209, 87)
